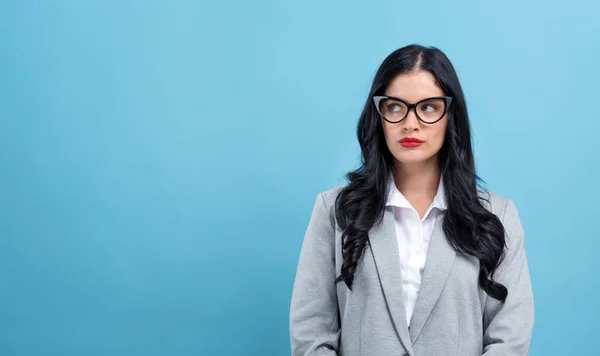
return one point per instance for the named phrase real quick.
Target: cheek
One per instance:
(388, 131)
(438, 135)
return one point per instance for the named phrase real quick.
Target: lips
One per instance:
(411, 139)
(410, 142)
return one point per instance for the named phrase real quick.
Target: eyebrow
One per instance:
(405, 101)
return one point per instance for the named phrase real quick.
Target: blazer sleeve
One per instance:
(508, 326)
(314, 324)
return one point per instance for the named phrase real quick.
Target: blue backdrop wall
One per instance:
(159, 159)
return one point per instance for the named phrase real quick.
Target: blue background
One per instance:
(159, 160)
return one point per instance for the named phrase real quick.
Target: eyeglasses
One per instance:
(429, 111)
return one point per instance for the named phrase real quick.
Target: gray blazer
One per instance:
(452, 315)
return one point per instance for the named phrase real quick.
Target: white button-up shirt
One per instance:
(413, 236)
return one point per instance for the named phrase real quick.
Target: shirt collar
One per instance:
(396, 198)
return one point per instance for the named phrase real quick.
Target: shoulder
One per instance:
(501, 206)
(329, 196)
(495, 203)
(324, 207)
(507, 212)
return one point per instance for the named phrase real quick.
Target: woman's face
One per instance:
(411, 88)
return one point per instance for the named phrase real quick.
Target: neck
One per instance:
(417, 179)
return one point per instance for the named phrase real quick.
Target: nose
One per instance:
(411, 122)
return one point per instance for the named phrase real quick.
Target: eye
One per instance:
(429, 108)
(394, 107)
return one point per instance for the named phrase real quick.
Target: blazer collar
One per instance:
(384, 247)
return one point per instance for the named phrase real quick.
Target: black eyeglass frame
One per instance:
(378, 98)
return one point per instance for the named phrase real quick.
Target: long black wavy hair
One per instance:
(470, 228)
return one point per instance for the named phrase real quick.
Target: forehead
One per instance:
(414, 86)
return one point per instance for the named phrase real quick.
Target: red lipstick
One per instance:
(410, 142)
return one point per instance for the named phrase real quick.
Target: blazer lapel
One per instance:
(384, 247)
(437, 267)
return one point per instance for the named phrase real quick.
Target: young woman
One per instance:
(410, 257)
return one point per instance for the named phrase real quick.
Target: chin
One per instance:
(412, 157)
